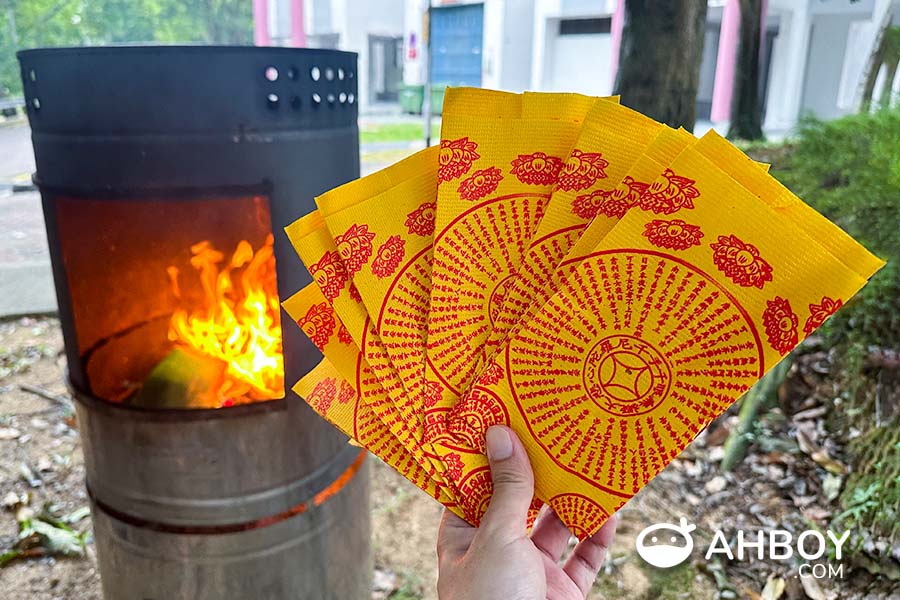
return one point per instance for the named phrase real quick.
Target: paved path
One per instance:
(16, 157)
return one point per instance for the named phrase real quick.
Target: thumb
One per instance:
(513, 485)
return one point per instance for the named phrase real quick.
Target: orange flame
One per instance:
(238, 322)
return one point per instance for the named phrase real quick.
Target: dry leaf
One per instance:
(773, 590)
(812, 588)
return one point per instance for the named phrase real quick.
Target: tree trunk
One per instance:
(746, 109)
(659, 64)
(756, 400)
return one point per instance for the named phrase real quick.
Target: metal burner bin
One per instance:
(138, 149)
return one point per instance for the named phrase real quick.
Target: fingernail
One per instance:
(499, 444)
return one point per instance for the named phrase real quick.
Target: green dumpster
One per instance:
(437, 98)
(411, 98)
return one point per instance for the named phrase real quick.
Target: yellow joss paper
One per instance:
(784, 203)
(318, 251)
(336, 400)
(385, 237)
(675, 314)
(622, 136)
(495, 177)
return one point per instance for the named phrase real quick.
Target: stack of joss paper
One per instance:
(601, 283)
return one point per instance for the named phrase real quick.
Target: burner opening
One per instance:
(174, 300)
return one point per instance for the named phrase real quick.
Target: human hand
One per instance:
(499, 560)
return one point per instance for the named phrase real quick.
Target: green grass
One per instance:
(396, 132)
(670, 584)
(849, 170)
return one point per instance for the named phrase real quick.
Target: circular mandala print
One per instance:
(625, 375)
(476, 490)
(402, 325)
(621, 369)
(473, 256)
(581, 515)
(469, 419)
(495, 302)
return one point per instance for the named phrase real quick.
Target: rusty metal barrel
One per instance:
(214, 507)
(141, 153)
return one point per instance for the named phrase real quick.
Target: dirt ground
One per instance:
(776, 487)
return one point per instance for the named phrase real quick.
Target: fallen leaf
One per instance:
(77, 515)
(829, 464)
(9, 433)
(716, 484)
(57, 540)
(811, 413)
(384, 581)
(812, 588)
(831, 486)
(29, 476)
(11, 500)
(806, 441)
(774, 589)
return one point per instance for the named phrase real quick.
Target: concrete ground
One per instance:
(26, 282)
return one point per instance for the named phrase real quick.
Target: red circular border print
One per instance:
(626, 376)
(623, 368)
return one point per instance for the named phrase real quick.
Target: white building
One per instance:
(814, 55)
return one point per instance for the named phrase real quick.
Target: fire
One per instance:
(238, 322)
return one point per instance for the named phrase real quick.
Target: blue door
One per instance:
(456, 34)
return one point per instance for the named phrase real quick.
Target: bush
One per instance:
(849, 170)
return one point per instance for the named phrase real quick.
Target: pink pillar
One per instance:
(261, 22)
(723, 88)
(618, 22)
(298, 34)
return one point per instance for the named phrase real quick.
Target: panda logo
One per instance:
(668, 545)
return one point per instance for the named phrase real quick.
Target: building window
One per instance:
(584, 26)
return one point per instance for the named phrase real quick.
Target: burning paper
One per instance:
(228, 346)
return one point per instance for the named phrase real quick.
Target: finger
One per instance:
(550, 535)
(454, 536)
(587, 558)
(513, 485)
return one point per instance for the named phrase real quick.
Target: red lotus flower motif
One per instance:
(613, 203)
(355, 247)
(346, 393)
(353, 291)
(432, 393)
(454, 466)
(819, 313)
(491, 375)
(321, 397)
(456, 158)
(781, 324)
(389, 256)
(329, 274)
(670, 193)
(421, 220)
(318, 324)
(582, 170)
(537, 168)
(343, 335)
(741, 262)
(480, 184)
(674, 234)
